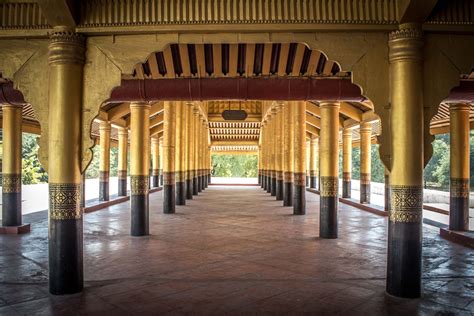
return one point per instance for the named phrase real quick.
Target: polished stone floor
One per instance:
(232, 250)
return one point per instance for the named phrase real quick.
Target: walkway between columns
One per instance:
(231, 249)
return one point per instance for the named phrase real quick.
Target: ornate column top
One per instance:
(66, 47)
(406, 43)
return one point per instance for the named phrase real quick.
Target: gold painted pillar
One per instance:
(104, 166)
(459, 167)
(66, 60)
(365, 161)
(313, 167)
(206, 155)
(346, 162)
(122, 161)
(139, 167)
(11, 166)
(180, 131)
(308, 161)
(270, 153)
(274, 150)
(299, 174)
(288, 160)
(155, 156)
(169, 143)
(196, 150)
(329, 169)
(279, 152)
(160, 155)
(406, 176)
(189, 150)
(264, 154)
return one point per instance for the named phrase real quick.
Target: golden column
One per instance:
(279, 152)
(313, 167)
(274, 129)
(260, 161)
(346, 162)
(66, 60)
(299, 174)
(207, 177)
(155, 155)
(104, 167)
(201, 153)
(196, 150)
(459, 181)
(308, 161)
(139, 167)
(288, 161)
(11, 169)
(179, 154)
(365, 161)
(406, 176)
(122, 161)
(189, 150)
(264, 154)
(329, 169)
(160, 155)
(169, 143)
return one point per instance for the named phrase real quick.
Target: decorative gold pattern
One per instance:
(104, 176)
(400, 50)
(139, 184)
(168, 178)
(64, 201)
(459, 188)
(287, 176)
(122, 174)
(179, 176)
(155, 172)
(365, 178)
(407, 203)
(329, 186)
(11, 183)
(346, 176)
(22, 15)
(299, 178)
(149, 12)
(66, 47)
(279, 175)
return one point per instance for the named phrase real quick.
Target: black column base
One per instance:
(365, 193)
(199, 182)
(161, 179)
(328, 217)
(273, 186)
(313, 182)
(66, 269)
(269, 184)
(299, 200)
(122, 187)
(209, 179)
(195, 186)
(11, 209)
(264, 183)
(140, 216)
(155, 181)
(180, 193)
(288, 194)
(404, 259)
(346, 189)
(459, 204)
(169, 202)
(387, 203)
(279, 190)
(189, 189)
(307, 181)
(104, 191)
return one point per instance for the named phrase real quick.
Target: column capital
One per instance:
(104, 126)
(459, 107)
(406, 43)
(327, 104)
(122, 131)
(347, 132)
(66, 47)
(365, 127)
(139, 104)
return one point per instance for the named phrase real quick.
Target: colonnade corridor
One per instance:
(230, 250)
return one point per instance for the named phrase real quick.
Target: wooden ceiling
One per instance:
(236, 60)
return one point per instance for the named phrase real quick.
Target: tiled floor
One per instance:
(232, 251)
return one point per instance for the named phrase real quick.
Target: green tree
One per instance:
(32, 171)
(241, 166)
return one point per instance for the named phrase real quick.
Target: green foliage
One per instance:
(377, 169)
(238, 166)
(32, 171)
(92, 171)
(437, 170)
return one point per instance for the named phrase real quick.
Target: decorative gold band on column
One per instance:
(66, 47)
(407, 203)
(346, 176)
(329, 186)
(139, 184)
(64, 201)
(155, 172)
(168, 178)
(287, 176)
(365, 178)
(122, 174)
(299, 178)
(313, 173)
(103, 176)
(279, 175)
(180, 176)
(398, 48)
(459, 188)
(11, 183)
